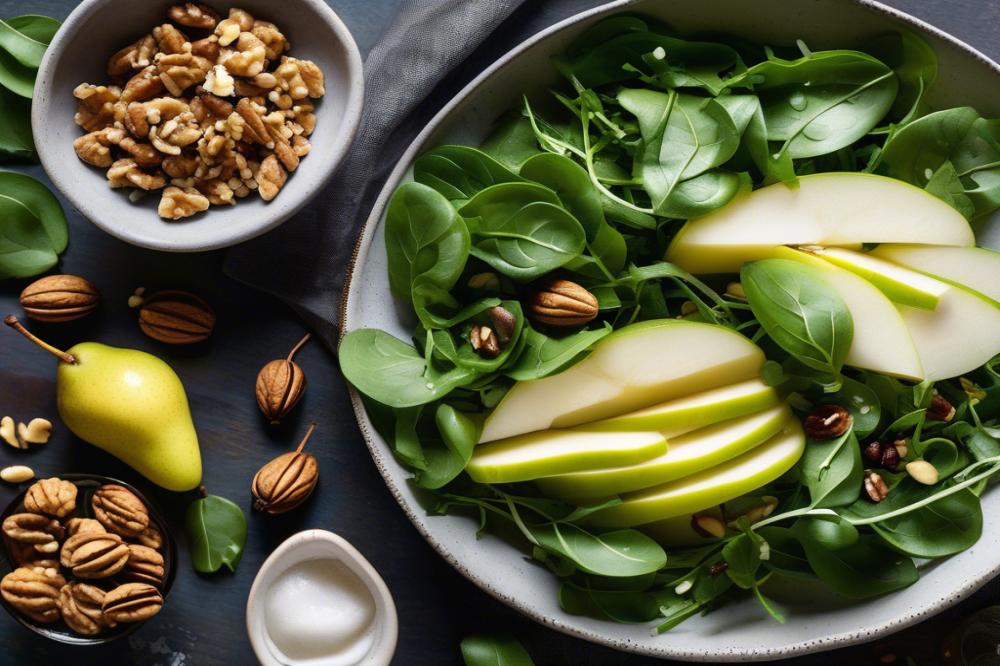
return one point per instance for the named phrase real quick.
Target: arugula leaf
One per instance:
(217, 531)
(494, 651)
(799, 311)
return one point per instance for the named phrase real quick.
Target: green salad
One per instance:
(705, 314)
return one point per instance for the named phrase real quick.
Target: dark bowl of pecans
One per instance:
(86, 559)
(189, 126)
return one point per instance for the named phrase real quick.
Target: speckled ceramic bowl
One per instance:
(741, 631)
(99, 28)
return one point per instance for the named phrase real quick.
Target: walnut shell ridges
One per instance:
(280, 385)
(59, 298)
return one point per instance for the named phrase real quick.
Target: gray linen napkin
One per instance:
(432, 48)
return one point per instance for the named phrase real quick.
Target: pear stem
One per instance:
(65, 357)
(298, 346)
(302, 444)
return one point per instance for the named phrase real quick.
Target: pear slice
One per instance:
(716, 485)
(957, 337)
(685, 455)
(538, 454)
(975, 268)
(901, 285)
(697, 411)
(842, 209)
(640, 365)
(881, 340)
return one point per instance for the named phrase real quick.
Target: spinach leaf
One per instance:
(832, 470)
(859, 571)
(683, 138)
(821, 102)
(915, 64)
(512, 142)
(615, 554)
(521, 230)
(622, 57)
(625, 606)
(459, 172)
(799, 311)
(975, 439)
(32, 226)
(427, 246)
(390, 371)
(494, 651)
(544, 355)
(954, 153)
(217, 532)
(786, 555)
(465, 356)
(459, 434)
(944, 527)
(742, 555)
(15, 127)
(862, 402)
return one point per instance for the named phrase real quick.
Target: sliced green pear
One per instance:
(881, 341)
(711, 487)
(900, 284)
(844, 209)
(685, 455)
(640, 365)
(957, 337)
(696, 411)
(975, 268)
(538, 454)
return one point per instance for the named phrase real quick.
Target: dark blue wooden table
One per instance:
(203, 621)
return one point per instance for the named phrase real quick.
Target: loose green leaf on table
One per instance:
(27, 50)
(32, 226)
(217, 532)
(16, 142)
(481, 650)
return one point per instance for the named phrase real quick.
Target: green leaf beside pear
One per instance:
(217, 531)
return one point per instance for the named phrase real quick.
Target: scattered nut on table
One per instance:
(8, 432)
(206, 110)
(37, 431)
(16, 474)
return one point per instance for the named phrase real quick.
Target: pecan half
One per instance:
(119, 510)
(53, 496)
(562, 303)
(145, 565)
(827, 422)
(34, 591)
(59, 298)
(176, 317)
(132, 602)
(875, 487)
(80, 605)
(940, 409)
(40, 531)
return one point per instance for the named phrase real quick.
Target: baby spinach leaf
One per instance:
(915, 64)
(683, 62)
(945, 527)
(390, 371)
(615, 554)
(459, 434)
(786, 555)
(217, 532)
(32, 226)
(799, 311)
(861, 402)
(625, 606)
(521, 230)
(464, 355)
(954, 153)
(832, 470)
(15, 127)
(821, 102)
(494, 651)
(683, 138)
(579, 196)
(860, 571)
(742, 555)
(544, 355)
(512, 142)
(975, 439)
(427, 246)
(459, 172)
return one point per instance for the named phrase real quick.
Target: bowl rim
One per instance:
(337, 150)
(381, 652)
(417, 517)
(169, 548)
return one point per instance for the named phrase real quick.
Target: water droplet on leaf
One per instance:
(798, 101)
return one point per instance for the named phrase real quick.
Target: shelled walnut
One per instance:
(202, 109)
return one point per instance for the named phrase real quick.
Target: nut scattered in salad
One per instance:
(201, 109)
(92, 573)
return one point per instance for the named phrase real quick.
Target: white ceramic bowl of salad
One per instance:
(736, 631)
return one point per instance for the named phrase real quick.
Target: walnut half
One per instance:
(177, 203)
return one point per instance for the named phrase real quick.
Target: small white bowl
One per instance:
(79, 52)
(318, 545)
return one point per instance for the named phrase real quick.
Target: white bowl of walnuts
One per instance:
(86, 559)
(191, 126)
